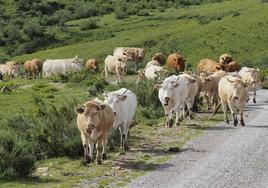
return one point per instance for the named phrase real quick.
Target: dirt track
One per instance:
(224, 156)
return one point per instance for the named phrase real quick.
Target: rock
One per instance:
(42, 169)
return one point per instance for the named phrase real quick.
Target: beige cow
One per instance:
(209, 85)
(94, 120)
(251, 77)
(11, 71)
(115, 65)
(233, 93)
(225, 59)
(193, 87)
(208, 66)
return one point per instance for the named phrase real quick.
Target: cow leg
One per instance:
(254, 95)
(233, 112)
(99, 148)
(86, 148)
(104, 143)
(126, 147)
(177, 117)
(121, 136)
(208, 102)
(224, 108)
(106, 73)
(189, 107)
(169, 119)
(242, 119)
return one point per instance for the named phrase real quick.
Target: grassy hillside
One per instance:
(237, 27)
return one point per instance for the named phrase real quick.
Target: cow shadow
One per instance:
(209, 128)
(256, 126)
(142, 165)
(32, 180)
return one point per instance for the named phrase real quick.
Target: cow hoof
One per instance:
(235, 122)
(191, 117)
(170, 123)
(227, 121)
(126, 148)
(254, 100)
(88, 159)
(98, 162)
(177, 123)
(242, 123)
(104, 156)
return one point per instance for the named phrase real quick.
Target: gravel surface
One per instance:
(224, 156)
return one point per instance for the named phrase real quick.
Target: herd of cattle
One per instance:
(220, 82)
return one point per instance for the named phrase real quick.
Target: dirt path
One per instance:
(223, 156)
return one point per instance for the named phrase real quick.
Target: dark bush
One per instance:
(33, 29)
(15, 158)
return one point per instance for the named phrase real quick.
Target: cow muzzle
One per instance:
(167, 99)
(114, 113)
(235, 98)
(91, 126)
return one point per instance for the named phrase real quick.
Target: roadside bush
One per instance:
(15, 159)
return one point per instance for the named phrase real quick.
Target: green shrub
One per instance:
(16, 159)
(91, 24)
(143, 13)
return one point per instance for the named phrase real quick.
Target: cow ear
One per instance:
(122, 97)
(80, 110)
(176, 85)
(258, 69)
(208, 79)
(157, 86)
(192, 80)
(105, 94)
(102, 106)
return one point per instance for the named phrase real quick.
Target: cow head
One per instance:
(254, 77)
(167, 89)
(114, 100)
(94, 65)
(237, 88)
(225, 59)
(14, 70)
(141, 53)
(123, 64)
(160, 74)
(92, 113)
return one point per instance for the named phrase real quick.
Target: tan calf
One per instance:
(94, 120)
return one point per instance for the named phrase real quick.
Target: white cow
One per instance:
(115, 65)
(193, 87)
(61, 66)
(153, 72)
(172, 95)
(251, 77)
(233, 92)
(124, 104)
(11, 71)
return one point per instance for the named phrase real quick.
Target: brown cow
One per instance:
(92, 64)
(94, 120)
(160, 57)
(36, 68)
(176, 61)
(33, 68)
(27, 68)
(208, 66)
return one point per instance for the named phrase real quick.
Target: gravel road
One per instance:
(223, 156)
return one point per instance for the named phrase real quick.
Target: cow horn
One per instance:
(124, 92)
(229, 80)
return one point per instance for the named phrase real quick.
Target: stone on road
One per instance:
(224, 156)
